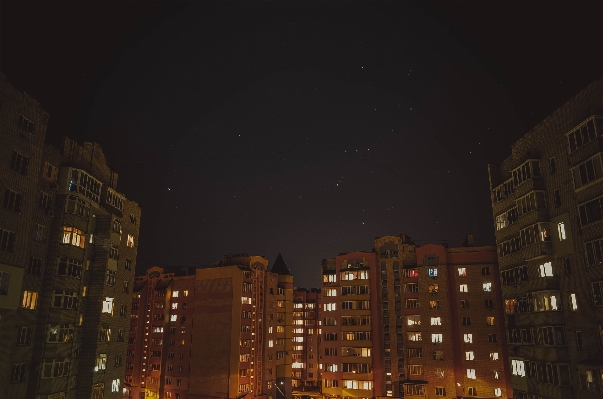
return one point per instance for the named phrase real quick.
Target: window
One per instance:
(114, 252)
(414, 389)
(414, 336)
(590, 212)
(60, 333)
(493, 355)
(330, 292)
(587, 172)
(463, 288)
(498, 392)
(436, 321)
(433, 288)
(45, 201)
(579, 342)
(557, 198)
(487, 287)
(573, 302)
(485, 271)
(330, 306)
(108, 305)
(545, 270)
(73, 236)
(34, 268)
(468, 338)
(18, 372)
(128, 264)
(432, 272)
(415, 369)
(466, 321)
(561, 231)
(411, 287)
(438, 355)
(436, 338)
(26, 124)
(472, 391)
(413, 320)
(104, 334)
(469, 355)
(85, 184)
(77, 206)
(514, 275)
(7, 240)
(58, 367)
(411, 273)
(65, 299)
(490, 320)
(415, 352)
(130, 241)
(19, 163)
(412, 303)
(471, 374)
(492, 338)
(541, 301)
(12, 200)
(552, 166)
(567, 264)
(101, 362)
(30, 300)
(507, 218)
(517, 368)
(24, 337)
(489, 303)
(40, 233)
(70, 267)
(434, 304)
(464, 304)
(462, 271)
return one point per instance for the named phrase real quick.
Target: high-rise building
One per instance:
(547, 207)
(306, 375)
(351, 346)
(68, 242)
(216, 332)
(399, 322)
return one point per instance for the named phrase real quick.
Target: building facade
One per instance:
(218, 332)
(399, 322)
(306, 375)
(67, 256)
(547, 208)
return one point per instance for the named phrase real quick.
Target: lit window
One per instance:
(493, 355)
(101, 362)
(545, 270)
(463, 288)
(413, 320)
(330, 306)
(270, 343)
(469, 355)
(130, 242)
(174, 317)
(468, 338)
(185, 292)
(517, 368)
(436, 338)
(329, 278)
(175, 305)
(490, 320)
(115, 385)
(108, 305)
(561, 230)
(497, 392)
(330, 292)
(73, 236)
(436, 321)
(269, 330)
(487, 287)
(432, 272)
(471, 374)
(30, 300)
(175, 294)
(573, 302)
(462, 271)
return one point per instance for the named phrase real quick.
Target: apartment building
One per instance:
(306, 375)
(547, 208)
(351, 346)
(453, 322)
(68, 242)
(223, 331)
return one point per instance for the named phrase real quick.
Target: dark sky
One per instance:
(301, 128)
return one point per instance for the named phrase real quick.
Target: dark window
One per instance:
(579, 343)
(557, 198)
(485, 271)
(19, 163)
(45, 201)
(26, 124)
(552, 166)
(35, 266)
(12, 200)
(18, 372)
(568, 266)
(590, 212)
(7, 240)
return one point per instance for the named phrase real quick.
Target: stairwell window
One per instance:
(573, 302)
(561, 231)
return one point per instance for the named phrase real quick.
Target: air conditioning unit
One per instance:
(54, 186)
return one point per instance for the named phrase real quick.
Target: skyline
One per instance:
(265, 79)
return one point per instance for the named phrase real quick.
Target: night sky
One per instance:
(301, 128)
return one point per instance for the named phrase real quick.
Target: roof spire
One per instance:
(279, 266)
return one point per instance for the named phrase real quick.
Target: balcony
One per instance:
(538, 250)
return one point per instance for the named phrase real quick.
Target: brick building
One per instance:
(218, 332)
(68, 242)
(306, 375)
(547, 208)
(399, 322)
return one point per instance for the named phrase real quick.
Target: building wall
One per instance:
(556, 175)
(306, 303)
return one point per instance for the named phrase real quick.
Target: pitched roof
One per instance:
(279, 266)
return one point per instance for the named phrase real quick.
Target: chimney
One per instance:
(468, 241)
